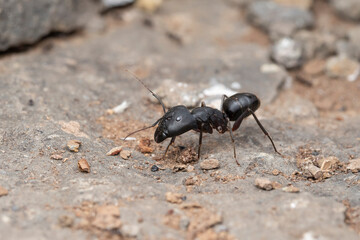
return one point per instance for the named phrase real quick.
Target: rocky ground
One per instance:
(67, 101)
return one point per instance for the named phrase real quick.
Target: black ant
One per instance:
(178, 120)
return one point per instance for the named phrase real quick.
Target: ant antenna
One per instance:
(156, 96)
(153, 125)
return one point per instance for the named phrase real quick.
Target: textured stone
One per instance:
(83, 165)
(209, 164)
(73, 145)
(287, 52)
(342, 67)
(302, 4)
(25, 22)
(114, 151)
(349, 9)
(354, 165)
(316, 44)
(264, 183)
(174, 197)
(279, 20)
(354, 42)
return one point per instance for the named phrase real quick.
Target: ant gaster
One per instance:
(178, 120)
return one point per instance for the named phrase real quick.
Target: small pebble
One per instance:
(287, 52)
(264, 183)
(291, 189)
(130, 231)
(315, 171)
(3, 191)
(328, 164)
(73, 145)
(354, 165)
(125, 154)
(154, 168)
(114, 151)
(343, 67)
(83, 165)
(174, 197)
(56, 157)
(209, 164)
(275, 172)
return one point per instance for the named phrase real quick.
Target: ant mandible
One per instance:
(178, 120)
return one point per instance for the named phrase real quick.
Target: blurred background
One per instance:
(62, 78)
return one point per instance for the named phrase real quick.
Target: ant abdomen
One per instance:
(239, 103)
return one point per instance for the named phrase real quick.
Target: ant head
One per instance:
(175, 122)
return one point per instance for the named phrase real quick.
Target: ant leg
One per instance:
(200, 141)
(263, 129)
(153, 125)
(167, 148)
(222, 101)
(239, 120)
(233, 143)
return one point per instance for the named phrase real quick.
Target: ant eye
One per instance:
(178, 119)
